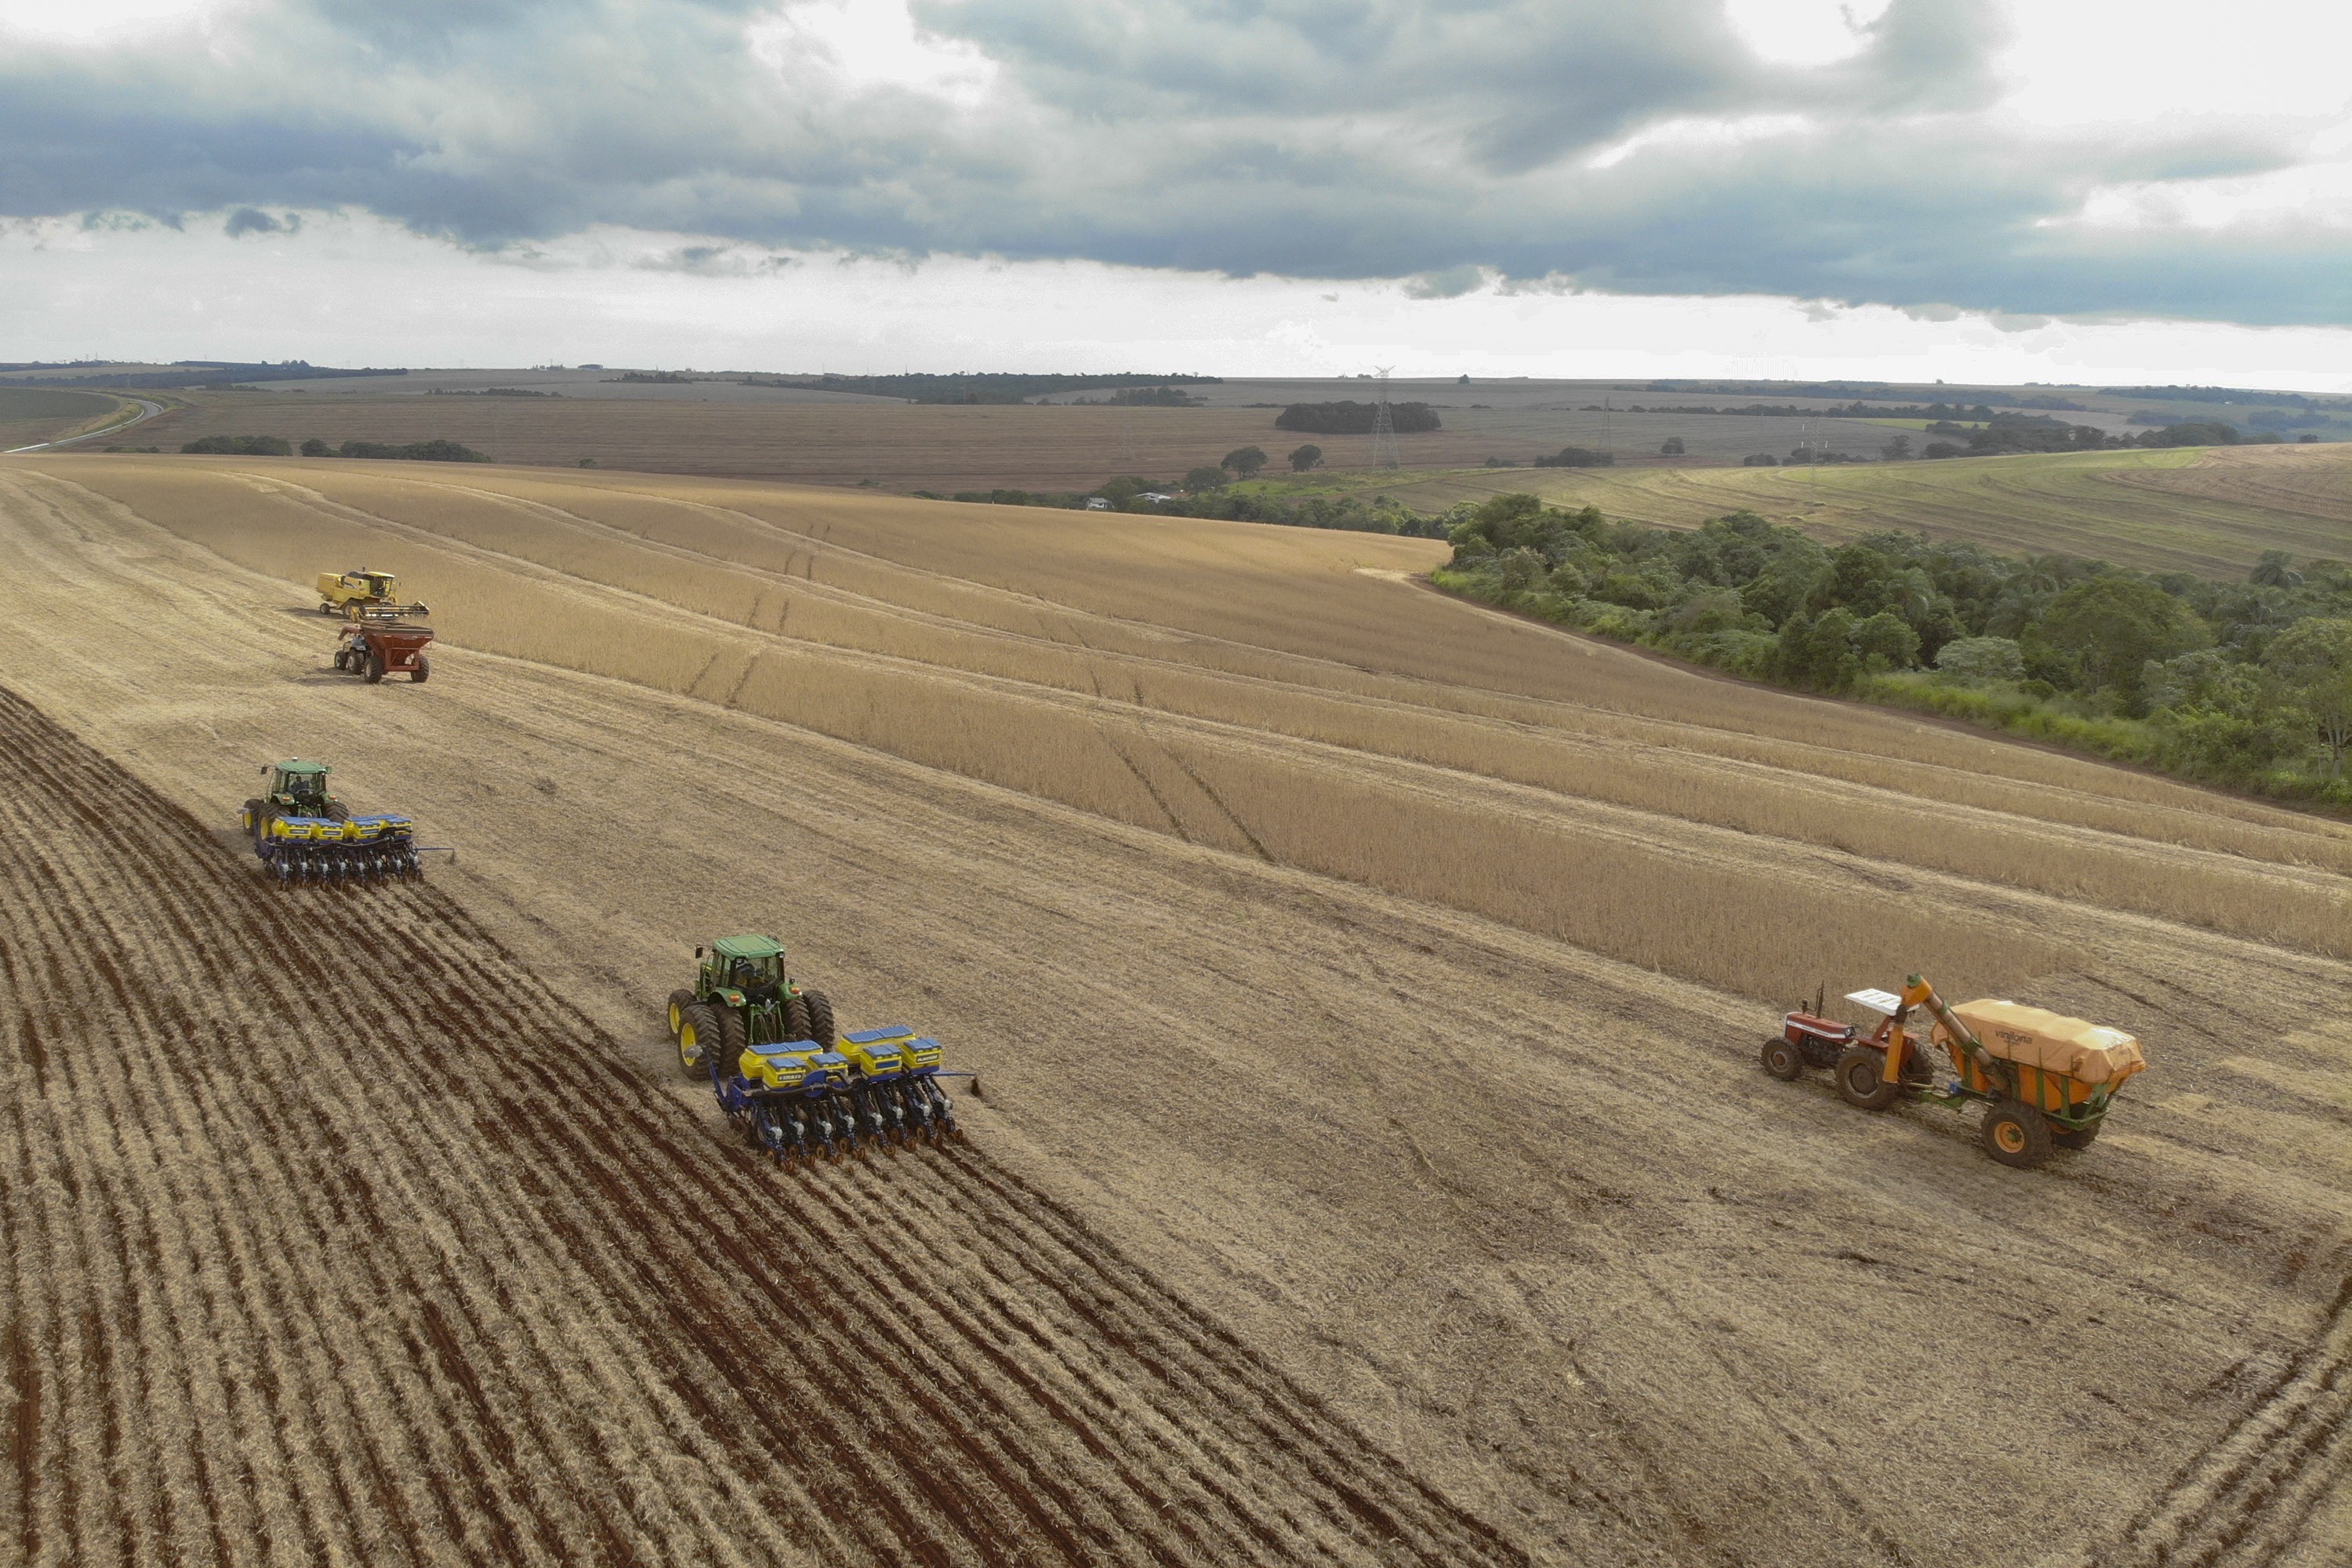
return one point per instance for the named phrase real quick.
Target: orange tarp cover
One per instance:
(2037, 1037)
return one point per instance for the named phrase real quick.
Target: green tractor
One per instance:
(741, 998)
(305, 835)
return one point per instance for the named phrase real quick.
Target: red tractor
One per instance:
(372, 649)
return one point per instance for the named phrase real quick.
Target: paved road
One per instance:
(146, 411)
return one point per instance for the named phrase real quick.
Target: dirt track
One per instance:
(1526, 1217)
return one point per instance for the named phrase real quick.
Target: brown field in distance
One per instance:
(746, 432)
(1375, 980)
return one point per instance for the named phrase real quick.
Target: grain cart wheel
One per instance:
(2070, 1138)
(820, 1012)
(1860, 1074)
(697, 1031)
(374, 666)
(679, 1001)
(2016, 1134)
(1781, 1060)
(424, 668)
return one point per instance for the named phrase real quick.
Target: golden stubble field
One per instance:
(1383, 977)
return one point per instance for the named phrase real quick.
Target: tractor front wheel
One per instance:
(1861, 1074)
(2016, 1134)
(679, 1001)
(1781, 1060)
(698, 1032)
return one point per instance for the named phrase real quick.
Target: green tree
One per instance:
(1886, 641)
(2313, 661)
(2112, 627)
(1302, 458)
(1818, 651)
(1204, 477)
(1244, 460)
(2272, 571)
(1897, 450)
(1981, 660)
(314, 447)
(1671, 446)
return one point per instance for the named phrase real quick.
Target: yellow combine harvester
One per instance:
(355, 596)
(2047, 1081)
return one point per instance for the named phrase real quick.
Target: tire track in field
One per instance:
(2244, 1500)
(334, 1236)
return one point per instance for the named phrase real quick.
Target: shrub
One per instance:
(1577, 457)
(1204, 477)
(1303, 458)
(1761, 461)
(314, 447)
(1978, 661)
(1347, 418)
(241, 446)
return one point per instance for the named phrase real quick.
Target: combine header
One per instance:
(304, 835)
(2045, 1081)
(769, 1049)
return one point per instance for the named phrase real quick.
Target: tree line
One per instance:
(2246, 683)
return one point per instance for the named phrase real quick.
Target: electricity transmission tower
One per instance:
(1385, 454)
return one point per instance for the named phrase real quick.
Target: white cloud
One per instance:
(348, 289)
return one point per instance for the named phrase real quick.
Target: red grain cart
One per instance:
(374, 650)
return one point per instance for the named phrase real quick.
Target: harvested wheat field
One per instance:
(1373, 1164)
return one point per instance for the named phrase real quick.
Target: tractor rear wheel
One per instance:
(424, 668)
(679, 1001)
(732, 1037)
(374, 666)
(698, 1032)
(1781, 1060)
(796, 1019)
(1860, 1075)
(2016, 1134)
(820, 1012)
(2072, 1138)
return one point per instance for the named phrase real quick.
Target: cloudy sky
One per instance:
(2046, 189)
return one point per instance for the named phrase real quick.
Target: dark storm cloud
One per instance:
(1444, 144)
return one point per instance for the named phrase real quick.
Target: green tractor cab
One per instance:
(742, 996)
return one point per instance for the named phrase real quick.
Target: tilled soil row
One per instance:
(334, 1236)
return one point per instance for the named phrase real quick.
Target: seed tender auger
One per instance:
(2045, 1081)
(305, 835)
(783, 1076)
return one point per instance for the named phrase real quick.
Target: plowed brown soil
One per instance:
(1366, 990)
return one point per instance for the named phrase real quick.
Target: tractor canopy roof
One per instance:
(748, 947)
(297, 765)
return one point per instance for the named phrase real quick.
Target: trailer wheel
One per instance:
(2070, 1138)
(820, 1012)
(1861, 1077)
(697, 1031)
(1781, 1060)
(424, 668)
(679, 1001)
(2016, 1134)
